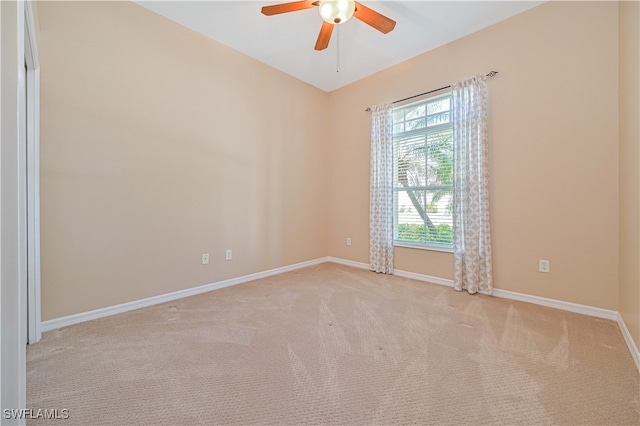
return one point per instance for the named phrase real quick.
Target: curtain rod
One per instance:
(489, 74)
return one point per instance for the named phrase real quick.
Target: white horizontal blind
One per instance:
(423, 172)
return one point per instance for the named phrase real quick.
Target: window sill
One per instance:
(422, 247)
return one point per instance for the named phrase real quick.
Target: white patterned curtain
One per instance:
(471, 229)
(381, 190)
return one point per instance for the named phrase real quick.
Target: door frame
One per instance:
(34, 320)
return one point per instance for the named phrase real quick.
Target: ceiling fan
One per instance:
(334, 12)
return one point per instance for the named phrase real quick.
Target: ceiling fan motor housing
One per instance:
(336, 12)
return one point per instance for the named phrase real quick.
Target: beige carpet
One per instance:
(336, 345)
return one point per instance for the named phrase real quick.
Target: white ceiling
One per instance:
(286, 42)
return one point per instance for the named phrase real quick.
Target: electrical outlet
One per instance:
(228, 255)
(348, 241)
(205, 258)
(544, 266)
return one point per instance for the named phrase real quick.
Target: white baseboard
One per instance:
(346, 262)
(633, 348)
(558, 304)
(422, 277)
(506, 294)
(168, 297)
(404, 274)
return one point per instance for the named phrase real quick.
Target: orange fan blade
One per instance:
(373, 18)
(287, 7)
(324, 36)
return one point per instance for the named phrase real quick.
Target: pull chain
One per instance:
(338, 51)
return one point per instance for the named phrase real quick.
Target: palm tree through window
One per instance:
(423, 173)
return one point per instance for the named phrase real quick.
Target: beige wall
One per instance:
(158, 145)
(554, 150)
(629, 92)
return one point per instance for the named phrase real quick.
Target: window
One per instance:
(423, 173)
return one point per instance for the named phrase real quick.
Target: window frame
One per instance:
(422, 245)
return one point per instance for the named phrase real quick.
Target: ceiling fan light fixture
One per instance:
(337, 12)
